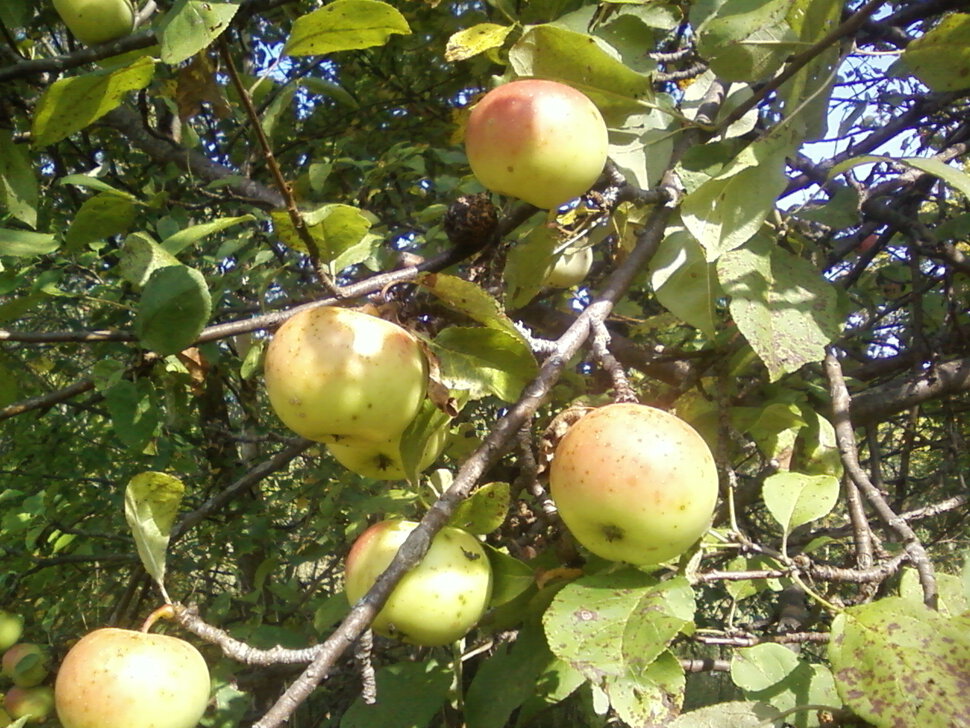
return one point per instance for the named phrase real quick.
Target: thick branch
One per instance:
(877, 403)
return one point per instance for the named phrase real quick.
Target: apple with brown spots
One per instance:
(634, 483)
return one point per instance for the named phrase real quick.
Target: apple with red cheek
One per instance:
(25, 664)
(33, 703)
(633, 483)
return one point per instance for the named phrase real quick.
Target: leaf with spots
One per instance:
(152, 503)
(345, 25)
(479, 38)
(485, 510)
(899, 663)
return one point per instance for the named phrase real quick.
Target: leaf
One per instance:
(134, 414)
(805, 97)
(897, 662)
(527, 263)
(587, 63)
(726, 211)
(510, 577)
(684, 281)
(477, 39)
(794, 499)
(18, 183)
(780, 303)
(70, 104)
(410, 694)
(484, 361)
(345, 25)
(650, 698)
(949, 40)
(730, 714)
(951, 597)
(140, 257)
(192, 25)
(334, 227)
(174, 308)
(469, 299)
(485, 510)
(151, 505)
(100, 217)
(747, 40)
(760, 667)
(177, 242)
(23, 244)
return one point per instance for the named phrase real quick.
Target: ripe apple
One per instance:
(336, 375)
(35, 702)
(11, 627)
(119, 678)
(382, 461)
(97, 21)
(25, 664)
(633, 483)
(440, 599)
(541, 141)
(570, 269)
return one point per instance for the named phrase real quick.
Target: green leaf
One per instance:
(484, 361)
(780, 303)
(587, 63)
(192, 25)
(897, 662)
(179, 241)
(410, 694)
(85, 181)
(747, 40)
(726, 211)
(650, 698)
(527, 263)
(134, 414)
(816, 449)
(951, 595)
(23, 244)
(152, 503)
(345, 25)
(334, 227)
(736, 714)
(485, 510)
(794, 499)
(760, 667)
(805, 96)
(684, 281)
(18, 183)
(949, 40)
(140, 257)
(510, 577)
(477, 39)
(954, 177)
(100, 217)
(70, 104)
(174, 308)
(469, 299)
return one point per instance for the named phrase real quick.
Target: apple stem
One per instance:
(166, 611)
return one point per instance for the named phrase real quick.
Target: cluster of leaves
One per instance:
(147, 247)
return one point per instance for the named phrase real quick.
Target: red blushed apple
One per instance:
(337, 375)
(439, 600)
(633, 483)
(34, 703)
(25, 664)
(541, 141)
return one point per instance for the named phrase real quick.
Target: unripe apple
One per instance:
(570, 269)
(382, 461)
(336, 375)
(5, 718)
(11, 627)
(633, 483)
(35, 702)
(97, 21)
(541, 141)
(25, 664)
(440, 599)
(119, 678)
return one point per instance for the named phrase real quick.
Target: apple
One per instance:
(5, 718)
(119, 678)
(633, 483)
(570, 269)
(439, 600)
(97, 21)
(541, 141)
(34, 702)
(382, 461)
(337, 375)
(11, 627)
(25, 664)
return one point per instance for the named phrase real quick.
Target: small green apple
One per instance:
(119, 678)
(382, 461)
(570, 268)
(633, 483)
(541, 141)
(25, 664)
(440, 599)
(11, 627)
(337, 375)
(97, 21)
(35, 702)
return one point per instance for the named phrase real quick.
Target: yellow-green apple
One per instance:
(337, 375)
(25, 664)
(120, 678)
(541, 141)
(570, 268)
(5, 718)
(97, 21)
(34, 702)
(633, 483)
(382, 461)
(440, 599)
(11, 627)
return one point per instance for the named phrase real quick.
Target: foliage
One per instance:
(169, 198)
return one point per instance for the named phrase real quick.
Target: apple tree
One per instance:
(755, 216)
